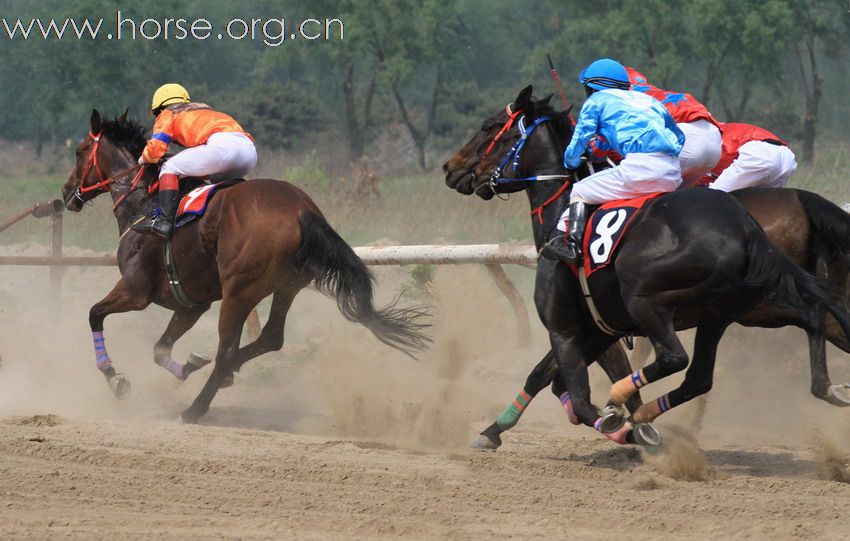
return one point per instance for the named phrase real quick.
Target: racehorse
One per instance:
(257, 238)
(692, 258)
(812, 231)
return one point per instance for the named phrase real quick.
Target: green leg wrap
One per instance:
(510, 416)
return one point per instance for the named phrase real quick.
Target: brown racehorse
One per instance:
(258, 238)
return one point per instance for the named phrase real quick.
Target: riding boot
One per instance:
(161, 221)
(569, 251)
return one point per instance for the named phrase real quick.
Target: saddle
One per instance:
(194, 203)
(606, 227)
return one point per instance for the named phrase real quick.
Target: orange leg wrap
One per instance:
(623, 389)
(647, 413)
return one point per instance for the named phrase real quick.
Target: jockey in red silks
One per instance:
(752, 156)
(216, 147)
(702, 134)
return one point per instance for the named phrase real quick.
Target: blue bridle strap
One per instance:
(514, 153)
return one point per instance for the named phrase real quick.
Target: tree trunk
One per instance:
(812, 91)
(355, 137)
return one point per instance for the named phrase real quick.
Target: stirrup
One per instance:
(558, 250)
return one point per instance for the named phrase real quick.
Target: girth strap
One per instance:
(174, 281)
(594, 311)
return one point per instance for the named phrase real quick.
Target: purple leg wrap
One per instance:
(102, 357)
(174, 367)
(567, 402)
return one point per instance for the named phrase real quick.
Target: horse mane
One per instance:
(126, 134)
(560, 119)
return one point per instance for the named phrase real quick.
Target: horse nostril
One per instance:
(446, 167)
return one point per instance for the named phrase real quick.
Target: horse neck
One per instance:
(543, 157)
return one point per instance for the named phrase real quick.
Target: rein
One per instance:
(102, 184)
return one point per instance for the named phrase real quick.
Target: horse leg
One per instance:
(180, 322)
(234, 312)
(271, 337)
(541, 376)
(120, 299)
(616, 365)
(670, 355)
(699, 377)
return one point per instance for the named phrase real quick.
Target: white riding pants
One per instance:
(226, 155)
(638, 174)
(701, 152)
(758, 164)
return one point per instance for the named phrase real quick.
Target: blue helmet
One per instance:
(605, 73)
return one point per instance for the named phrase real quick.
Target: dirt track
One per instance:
(338, 437)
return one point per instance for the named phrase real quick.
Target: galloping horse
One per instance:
(693, 258)
(258, 238)
(812, 231)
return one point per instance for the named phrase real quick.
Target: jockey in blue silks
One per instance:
(635, 125)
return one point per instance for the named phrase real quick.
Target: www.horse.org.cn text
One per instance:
(272, 32)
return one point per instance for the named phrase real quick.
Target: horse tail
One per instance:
(339, 273)
(790, 286)
(830, 224)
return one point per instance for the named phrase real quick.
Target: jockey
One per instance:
(634, 125)
(701, 151)
(752, 156)
(216, 146)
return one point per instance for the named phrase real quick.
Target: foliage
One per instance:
(435, 67)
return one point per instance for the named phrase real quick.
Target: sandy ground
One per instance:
(337, 436)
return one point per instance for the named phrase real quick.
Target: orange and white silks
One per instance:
(189, 125)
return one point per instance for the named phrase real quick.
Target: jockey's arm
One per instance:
(158, 143)
(586, 127)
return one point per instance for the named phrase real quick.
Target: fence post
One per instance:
(56, 272)
(514, 297)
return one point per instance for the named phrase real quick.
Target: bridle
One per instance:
(101, 186)
(513, 157)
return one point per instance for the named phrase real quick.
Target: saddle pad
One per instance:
(194, 204)
(606, 227)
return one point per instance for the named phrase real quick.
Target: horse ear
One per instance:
(123, 118)
(545, 101)
(96, 123)
(523, 100)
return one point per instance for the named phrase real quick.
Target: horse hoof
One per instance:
(196, 360)
(484, 443)
(187, 418)
(227, 382)
(613, 419)
(647, 435)
(120, 386)
(839, 395)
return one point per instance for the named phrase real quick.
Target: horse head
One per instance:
(109, 150)
(481, 159)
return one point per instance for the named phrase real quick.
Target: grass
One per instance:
(412, 209)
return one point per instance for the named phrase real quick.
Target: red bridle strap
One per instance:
(103, 182)
(539, 210)
(512, 116)
(133, 185)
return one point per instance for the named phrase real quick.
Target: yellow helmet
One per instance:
(168, 94)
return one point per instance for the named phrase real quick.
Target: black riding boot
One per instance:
(569, 251)
(162, 222)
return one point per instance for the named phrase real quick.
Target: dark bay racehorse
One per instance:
(812, 231)
(692, 258)
(258, 238)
